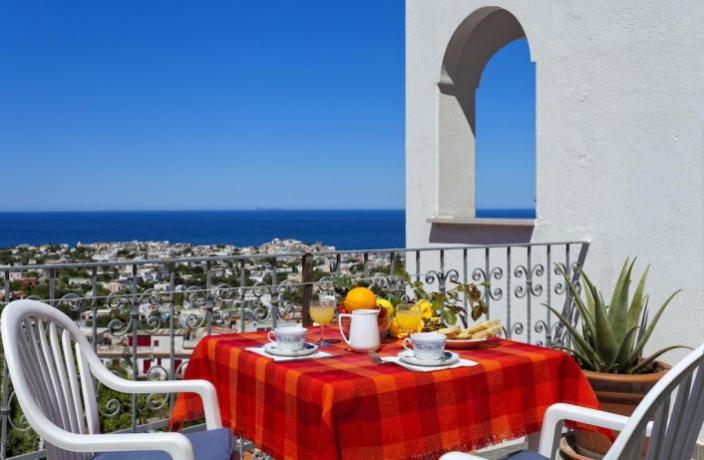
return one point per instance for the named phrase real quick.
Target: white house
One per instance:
(619, 135)
(153, 351)
(17, 276)
(78, 281)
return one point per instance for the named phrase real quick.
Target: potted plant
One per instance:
(608, 344)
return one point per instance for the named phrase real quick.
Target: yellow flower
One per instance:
(426, 309)
(383, 303)
(420, 326)
(396, 331)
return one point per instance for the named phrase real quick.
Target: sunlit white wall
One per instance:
(619, 139)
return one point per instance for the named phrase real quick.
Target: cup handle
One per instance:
(339, 325)
(405, 344)
(271, 336)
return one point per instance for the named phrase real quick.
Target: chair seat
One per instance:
(207, 445)
(525, 455)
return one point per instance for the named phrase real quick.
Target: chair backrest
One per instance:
(675, 405)
(46, 355)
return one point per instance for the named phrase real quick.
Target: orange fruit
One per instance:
(360, 297)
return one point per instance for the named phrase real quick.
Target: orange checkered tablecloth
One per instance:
(347, 407)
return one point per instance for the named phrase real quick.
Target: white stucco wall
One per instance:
(620, 136)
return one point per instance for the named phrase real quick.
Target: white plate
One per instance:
(450, 358)
(273, 349)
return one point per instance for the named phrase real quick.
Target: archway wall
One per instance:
(619, 139)
(473, 43)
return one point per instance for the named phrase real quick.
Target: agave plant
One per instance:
(613, 335)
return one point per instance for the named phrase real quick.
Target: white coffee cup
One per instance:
(426, 345)
(289, 338)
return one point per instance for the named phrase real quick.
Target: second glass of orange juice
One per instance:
(408, 317)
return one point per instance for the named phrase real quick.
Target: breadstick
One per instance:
(478, 327)
(450, 331)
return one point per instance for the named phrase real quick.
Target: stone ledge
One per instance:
(482, 221)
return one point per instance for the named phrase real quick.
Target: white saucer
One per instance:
(273, 349)
(450, 358)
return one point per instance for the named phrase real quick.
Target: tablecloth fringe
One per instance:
(489, 440)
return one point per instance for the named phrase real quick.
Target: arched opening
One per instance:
(470, 48)
(505, 135)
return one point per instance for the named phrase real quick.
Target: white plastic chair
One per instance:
(51, 363)
(671, 415)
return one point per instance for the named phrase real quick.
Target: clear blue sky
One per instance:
(505, 117)
(202, 105)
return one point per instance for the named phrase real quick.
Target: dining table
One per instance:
(348, 406)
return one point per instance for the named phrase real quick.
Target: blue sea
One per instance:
(348, 229)
(344, 229)
(506, 213)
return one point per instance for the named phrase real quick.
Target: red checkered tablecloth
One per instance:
(347, 407)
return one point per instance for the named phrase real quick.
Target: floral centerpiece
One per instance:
(440, 308)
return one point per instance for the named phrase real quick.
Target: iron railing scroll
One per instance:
(145, 316)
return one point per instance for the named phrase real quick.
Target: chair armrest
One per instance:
(556, 415)
(203, 388)
(460, 456)
(175, 444)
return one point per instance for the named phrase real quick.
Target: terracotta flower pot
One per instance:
(617, 393)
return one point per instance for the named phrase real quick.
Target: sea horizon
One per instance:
(342, 228)
(78, 211)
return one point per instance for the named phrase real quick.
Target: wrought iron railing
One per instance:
(145, 316)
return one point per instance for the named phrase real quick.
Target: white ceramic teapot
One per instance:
(364, 330)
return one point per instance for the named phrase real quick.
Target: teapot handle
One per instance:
(339, 324)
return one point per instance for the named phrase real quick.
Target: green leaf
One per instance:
(590, 358)
(625, 350)
(646, 362)
(449, 318)
(597, 363)
(401, 273)
(573, 332)
(582, 358)
(636, 308)
(588, 294)
(618, 309)
(605, 340)
(592, 293)
(621, 277)
(649, 330)
(395, 300)
(587, 318)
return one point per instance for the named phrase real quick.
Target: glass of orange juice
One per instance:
(408, 317)
(322, 312)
